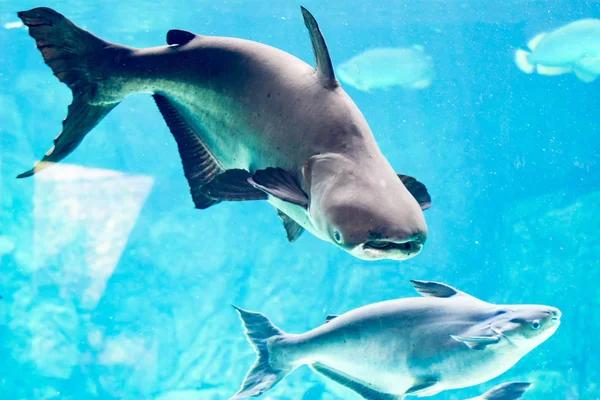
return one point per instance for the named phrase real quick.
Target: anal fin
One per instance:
(585, 76)
(553, 71)
(357, 387)
(199, 164)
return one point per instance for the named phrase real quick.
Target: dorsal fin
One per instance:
(330, 317)
(324, 66)
(435, 289)
(175, 36)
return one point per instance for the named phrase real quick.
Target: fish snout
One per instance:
(554, 314)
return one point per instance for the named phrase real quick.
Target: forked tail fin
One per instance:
(262, 375)
(77, 58)
(522, 61)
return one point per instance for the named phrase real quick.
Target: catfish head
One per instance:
(527, 326)
(514, 328)
(370, 213)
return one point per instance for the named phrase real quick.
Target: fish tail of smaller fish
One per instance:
(264, 373)
(522, 61)
(80, 60)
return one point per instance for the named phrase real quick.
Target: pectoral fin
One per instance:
(353, 384)
(476, 342)
(292, 228)
(418, 190)
(281, 184)
(232, 185)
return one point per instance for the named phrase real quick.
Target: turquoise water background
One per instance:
(117, 288)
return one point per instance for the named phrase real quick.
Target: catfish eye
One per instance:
(337, 236)
(535, 324)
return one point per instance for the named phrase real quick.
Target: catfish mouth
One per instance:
(384, 245)
(392, 249)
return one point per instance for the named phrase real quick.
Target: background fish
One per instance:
(6, 245)
(420, 346)
(572, 48)
(380, 68)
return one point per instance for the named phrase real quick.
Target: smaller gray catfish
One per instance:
(416, 346)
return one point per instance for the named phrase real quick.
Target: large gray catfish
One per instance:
(419, 346)
(252, 123)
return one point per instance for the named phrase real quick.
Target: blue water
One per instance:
(117, 288)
